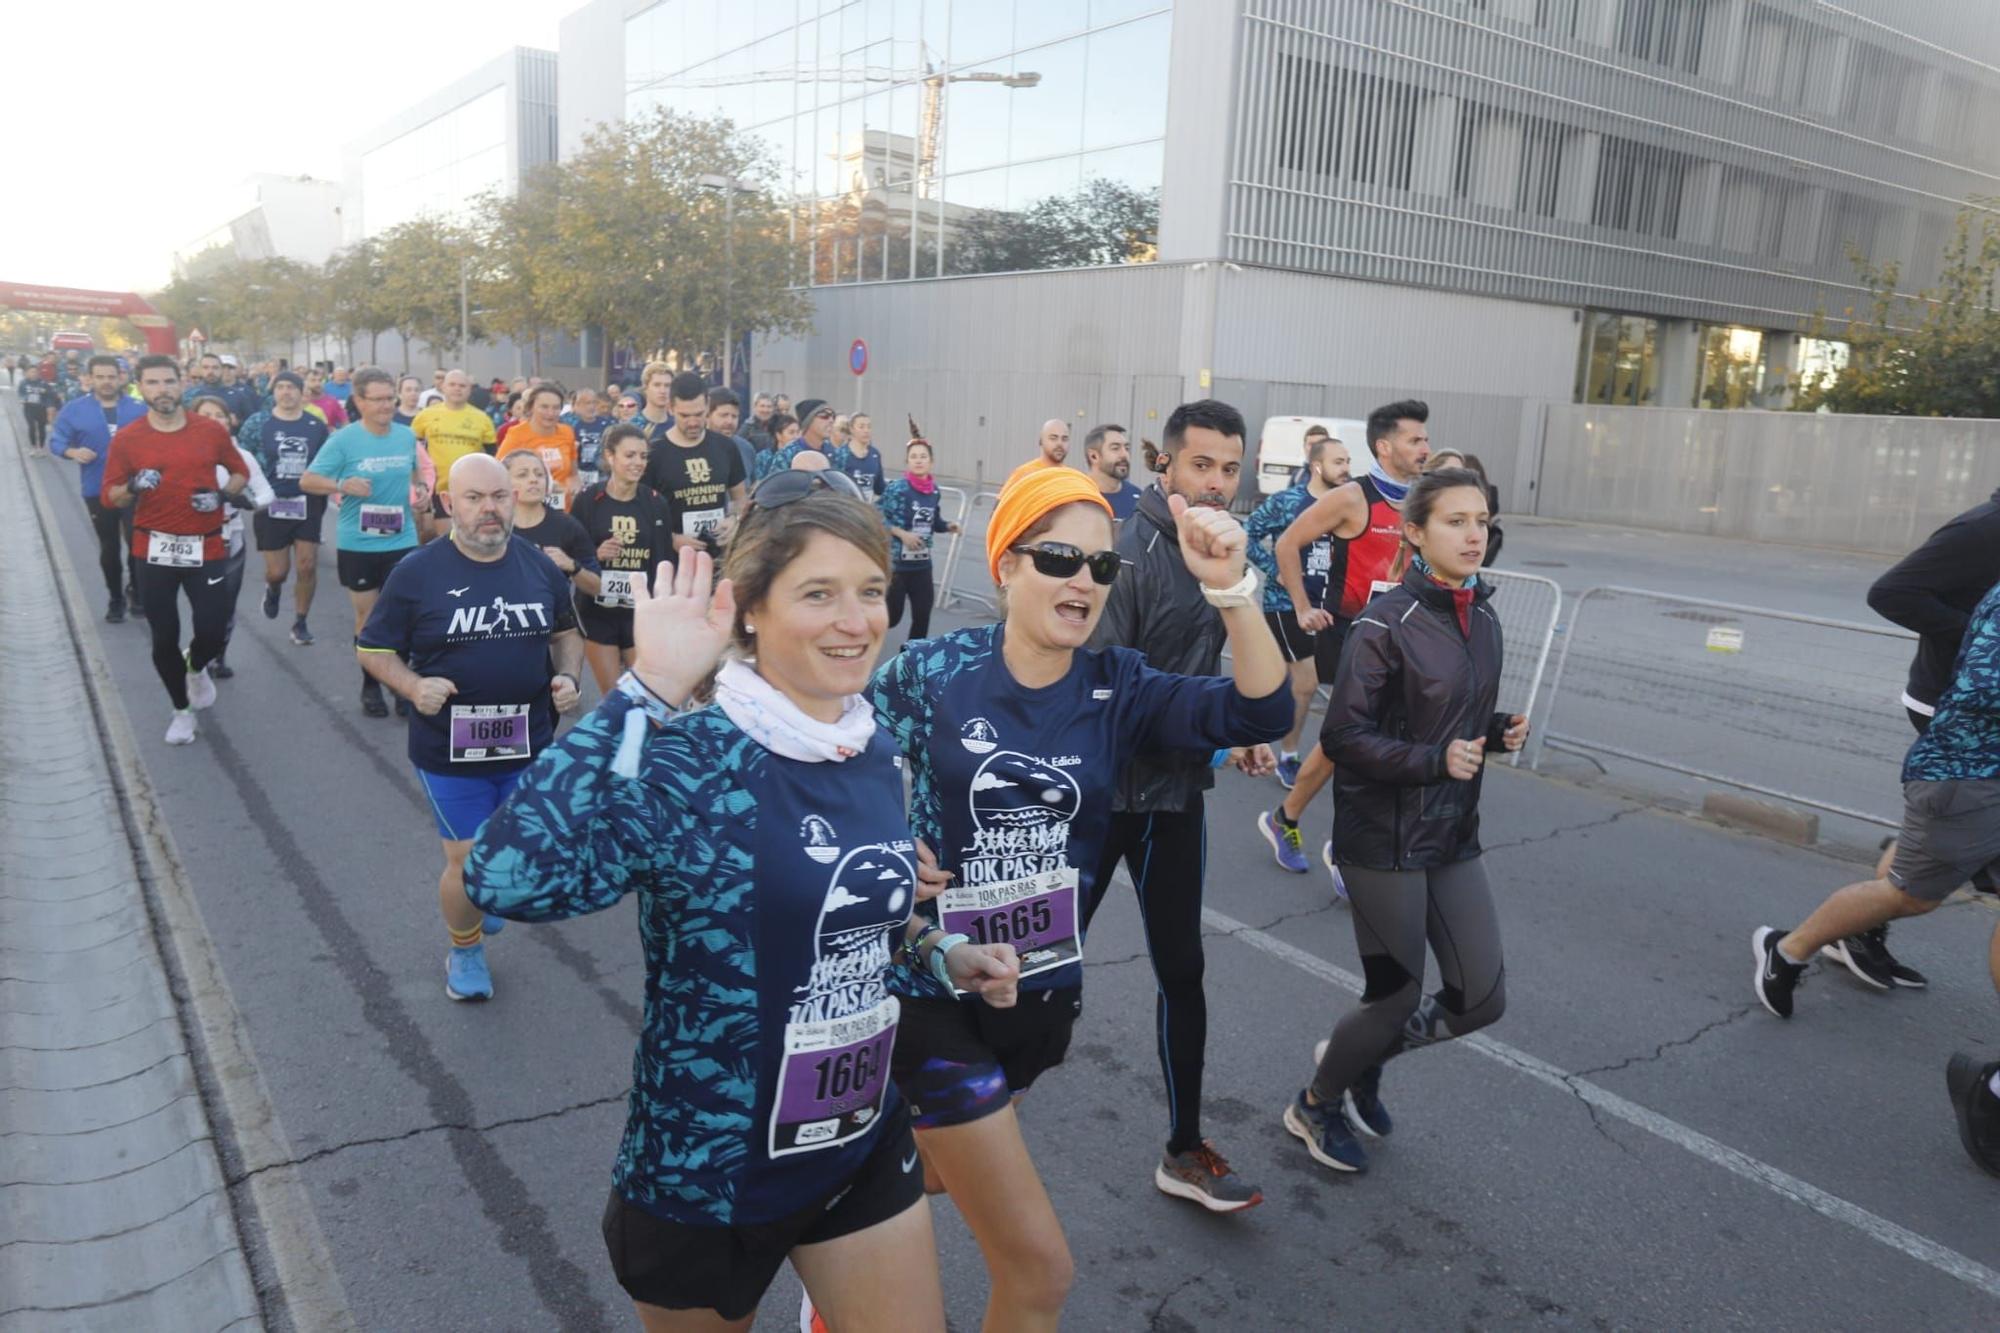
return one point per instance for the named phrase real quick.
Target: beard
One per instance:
(1122, 469)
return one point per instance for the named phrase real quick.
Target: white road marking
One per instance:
(1921, 1248)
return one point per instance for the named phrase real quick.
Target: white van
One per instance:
(1281, 451)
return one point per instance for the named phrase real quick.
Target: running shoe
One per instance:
(1339, 884)
(1285, 842)
(466, 976)
(809, 1320)
(1899, 972)
(274, 593)
(1971, 1086)
(221, 670)
(114, 614)
(1867, 956)
(1288, 771)
(491, 924)
(1982, 882)
(1202, 1175)
(301, 635)
(201, 688)
(132, 593)
(1776, 977)
(1363, 1104)
(180, 731)
(1328, 1136)
(372, 702)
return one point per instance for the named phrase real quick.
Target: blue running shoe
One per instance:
(1285, 842)
(1363, 1103)
(1328, 1136)
(492, 924)
(466, 976)
(1288, 771)
(1339, 884)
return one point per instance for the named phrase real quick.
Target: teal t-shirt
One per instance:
(383, 521)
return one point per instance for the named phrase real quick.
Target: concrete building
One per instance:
(273, 217)
(1100, 209)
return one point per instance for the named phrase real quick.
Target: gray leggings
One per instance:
(1395, 912)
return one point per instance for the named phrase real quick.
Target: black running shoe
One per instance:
(221, 670)
(1363, 1103)
(372, 702)
(1775, 978)
(1864, 957)
(1971, 1086)
(274, 593)
(1877, 942)
(114, 614)
(301, 635)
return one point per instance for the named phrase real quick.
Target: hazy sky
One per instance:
(247, 86)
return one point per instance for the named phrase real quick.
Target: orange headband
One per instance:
(1025, 500)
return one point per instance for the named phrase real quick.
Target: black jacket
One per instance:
(1934, 589)
(1156, 606)
(1411, 681)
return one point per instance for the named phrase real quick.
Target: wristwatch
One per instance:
(1241, 593)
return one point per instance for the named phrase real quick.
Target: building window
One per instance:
(1618, 361)
(1341, 123)
(1639, 187)
(1732, 366)
(1666, 32)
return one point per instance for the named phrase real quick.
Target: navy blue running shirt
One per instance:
(486, 628)
(1012, 787)
(772, 893)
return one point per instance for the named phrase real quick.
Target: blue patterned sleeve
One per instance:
(903, 707)
(1266, 521)
(575, 837)
(895, 507)
(250, 437)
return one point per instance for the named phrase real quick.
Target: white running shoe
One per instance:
(180, 731)
(201, 689)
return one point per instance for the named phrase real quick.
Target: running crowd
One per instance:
(856, 971)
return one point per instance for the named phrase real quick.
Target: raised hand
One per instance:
(1213, 543)
(682, 625)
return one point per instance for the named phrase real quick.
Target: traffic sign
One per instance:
(857, 357)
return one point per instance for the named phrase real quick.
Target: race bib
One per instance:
(288, 507)
(382, 520)
(831, 1083)
(614, 587)
(291, 463)
(1037, 915)
(1378, 587)
(174, 549)
(701, 522)
(482, 733)
(587, 477)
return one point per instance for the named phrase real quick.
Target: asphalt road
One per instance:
(1642, 1148)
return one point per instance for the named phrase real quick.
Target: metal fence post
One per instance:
(1541, 636)
(948, 595)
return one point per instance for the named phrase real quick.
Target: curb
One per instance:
(249, 1132)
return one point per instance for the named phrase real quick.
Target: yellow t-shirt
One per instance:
(450, 433)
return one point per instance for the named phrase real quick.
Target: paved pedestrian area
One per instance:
(112, 1208)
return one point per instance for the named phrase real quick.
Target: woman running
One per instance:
(1016, 735)
(559, 536)
(544, 431)
(1408, 727)
(628, 525)
(765, 837)
(910, 510)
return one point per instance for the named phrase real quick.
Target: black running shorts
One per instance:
(957, 1061)
(603, 624)
(366, 571)
(277, 534)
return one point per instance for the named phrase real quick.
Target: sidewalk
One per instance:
(113, 1211)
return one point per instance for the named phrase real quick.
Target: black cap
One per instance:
(291, 377)
(811, 408)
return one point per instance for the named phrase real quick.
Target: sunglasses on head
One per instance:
(1060, 560)
(783, 488)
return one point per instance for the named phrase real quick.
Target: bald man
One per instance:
(465, 630)
(810, 460)
(1054, 446)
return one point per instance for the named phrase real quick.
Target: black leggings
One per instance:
(1166, 854)
(1395, 912)
(38, 426)
(207, 589)
(916, 585)
(232, 587)
(114, 546)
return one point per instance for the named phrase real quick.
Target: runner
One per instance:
(758, 428)
(82, 434)
(167, 461)
(1053, 444)
(235, 549)
(910, 512)
(465, 630)
(761, 1127)
(409, 393)
(1364, 516)
(656, 415)
(1164, 609)
(555, 443)
(724, 413)
(859, 458)
(785, 431)
(373, 465)
(697, 472)
(450, 430)
(1303, 626)
(285, 440)
(328, 408)
(815, 422)
(628, 526)
(589, 420)
(39, 396)
(557, 535)
(1411, 720)
(1015, 734)
(1108, 451)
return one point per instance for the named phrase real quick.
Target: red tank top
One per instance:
(1369, 555)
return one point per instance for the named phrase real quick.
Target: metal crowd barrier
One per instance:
(949, 595)
(1529, 608)
(1800, 708)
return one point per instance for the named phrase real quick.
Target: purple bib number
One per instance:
(831, 1084)
(382, 520)
(1037, 915)
(291, 509)
(484, 733)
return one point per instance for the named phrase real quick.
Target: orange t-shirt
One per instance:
(558, 450)
(1035, 464)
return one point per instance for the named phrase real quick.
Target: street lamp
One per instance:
(730, 186)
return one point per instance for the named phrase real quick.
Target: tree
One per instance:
(1946, 364)
(518, 283)
(355, 299)
(420, 263)
(1100, 222)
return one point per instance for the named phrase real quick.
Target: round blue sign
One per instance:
(857, 357)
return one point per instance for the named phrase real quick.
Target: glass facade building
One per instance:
(439, 166)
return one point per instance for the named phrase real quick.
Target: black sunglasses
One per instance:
(783, 488)
(1060, 560)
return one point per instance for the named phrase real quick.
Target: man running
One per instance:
(1108, 452)
(451, 430)
(697, 472)
(859, 460)
(168, 462)
(38, 395)
(1053, 447)
(82, 434)
(589, 420)
(1313, 653)
(285, 441)
(1365, 515)
(1158, 827)
(815, 424)
(478, 619)
(656, 412)
(242, 400)
(318, 400)
(370, 464)
(757, 429)
(725, 411)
